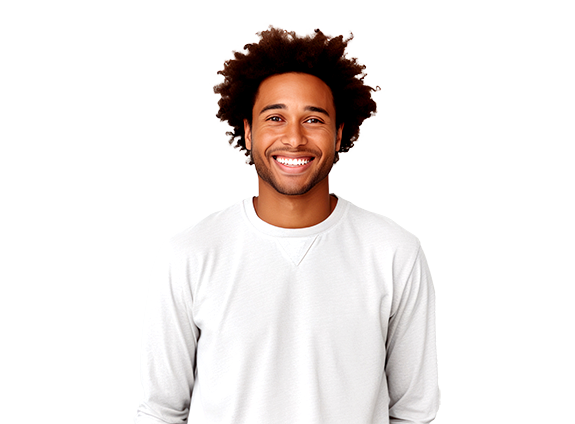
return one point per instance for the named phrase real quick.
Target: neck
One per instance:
(299, 211)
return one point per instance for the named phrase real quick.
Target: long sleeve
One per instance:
(411, 365)
(168, 358)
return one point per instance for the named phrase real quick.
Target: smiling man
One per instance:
(294, 306)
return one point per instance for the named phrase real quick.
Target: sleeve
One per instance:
(169, 348)
(411, 362)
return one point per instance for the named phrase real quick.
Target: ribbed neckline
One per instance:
(274, 231)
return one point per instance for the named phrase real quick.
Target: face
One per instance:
(293, 137)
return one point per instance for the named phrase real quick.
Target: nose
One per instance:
(294, 135)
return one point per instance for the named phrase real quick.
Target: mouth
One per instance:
(293, 162)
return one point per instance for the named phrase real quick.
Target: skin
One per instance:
(293, 118)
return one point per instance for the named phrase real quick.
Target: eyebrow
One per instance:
(283, 106)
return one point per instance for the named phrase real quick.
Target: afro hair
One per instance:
(279, 52)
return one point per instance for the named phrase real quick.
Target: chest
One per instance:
(308, 289)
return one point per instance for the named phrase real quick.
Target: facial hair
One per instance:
(264, 172)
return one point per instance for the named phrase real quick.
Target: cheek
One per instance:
(329, 141)
(265, 137)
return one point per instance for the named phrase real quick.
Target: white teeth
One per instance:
(292, 162)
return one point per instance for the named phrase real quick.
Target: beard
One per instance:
(283, 187)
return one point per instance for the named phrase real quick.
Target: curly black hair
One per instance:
(279, 52)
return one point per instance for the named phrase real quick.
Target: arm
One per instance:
(411, 364)
(168, 358)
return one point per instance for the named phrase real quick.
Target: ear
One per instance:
(248, 134)
(338, 138)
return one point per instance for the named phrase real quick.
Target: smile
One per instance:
(293, 162)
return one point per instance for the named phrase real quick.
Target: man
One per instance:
(294, 306)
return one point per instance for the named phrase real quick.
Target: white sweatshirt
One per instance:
(259, 324)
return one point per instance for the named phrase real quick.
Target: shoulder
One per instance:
(210, 231)
(386, 241)
(378, 229)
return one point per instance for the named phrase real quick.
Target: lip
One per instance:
(293, 169)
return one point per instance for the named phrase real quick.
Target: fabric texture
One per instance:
(259, 324)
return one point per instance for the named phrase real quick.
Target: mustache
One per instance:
(307, 152)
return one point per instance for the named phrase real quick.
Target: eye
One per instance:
(313, 121)
(274, 119)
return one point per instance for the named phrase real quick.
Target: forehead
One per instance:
(293, 88)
